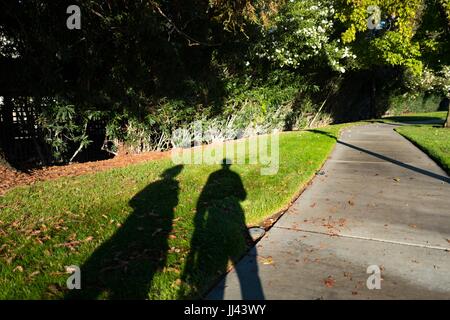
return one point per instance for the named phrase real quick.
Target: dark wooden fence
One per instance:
(21, 138)
(18, 130)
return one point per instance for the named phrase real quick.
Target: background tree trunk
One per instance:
(447, 122)
(445, 105)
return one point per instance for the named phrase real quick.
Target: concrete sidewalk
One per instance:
(377, 201)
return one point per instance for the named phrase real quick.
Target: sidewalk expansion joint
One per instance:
(368, 239)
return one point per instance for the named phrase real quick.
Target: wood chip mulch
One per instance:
(10, 178)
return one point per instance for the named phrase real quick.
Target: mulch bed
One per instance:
(10, 178)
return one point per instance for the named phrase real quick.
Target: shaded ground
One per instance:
(12, 178)
(437, 117)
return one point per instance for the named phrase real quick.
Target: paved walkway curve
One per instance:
(378, 201)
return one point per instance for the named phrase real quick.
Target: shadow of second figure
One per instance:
(220, 236)
(123, 266)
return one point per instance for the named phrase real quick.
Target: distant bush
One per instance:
(250, 107)
(409, 102)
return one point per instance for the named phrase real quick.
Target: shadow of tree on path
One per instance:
(386, 158)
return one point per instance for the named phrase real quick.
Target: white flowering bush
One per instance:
(444, 80)
(303, 31)
(430, 81)
(7, 46)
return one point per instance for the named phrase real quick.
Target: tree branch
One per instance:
(191, 40)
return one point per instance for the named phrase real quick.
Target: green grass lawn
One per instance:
(433, 141)
(429, 136)
(150, 230)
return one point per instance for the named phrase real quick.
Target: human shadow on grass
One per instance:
(123, 267)
(220, 237)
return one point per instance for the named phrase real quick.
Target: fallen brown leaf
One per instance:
(156, 231)
(35, 273)
(266, 260)
(18, 268)
(171, 269)
(329, 282)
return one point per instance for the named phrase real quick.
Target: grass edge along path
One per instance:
(435, 142)
(150, 230)
(429, 136)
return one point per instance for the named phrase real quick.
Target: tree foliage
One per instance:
(153, 65)
(303, 32)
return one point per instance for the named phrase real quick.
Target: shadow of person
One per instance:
(220, 236)
(123, 266)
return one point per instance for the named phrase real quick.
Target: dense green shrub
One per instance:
(251, 105)
(413, 102)
(251, 65)
(62, 128)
